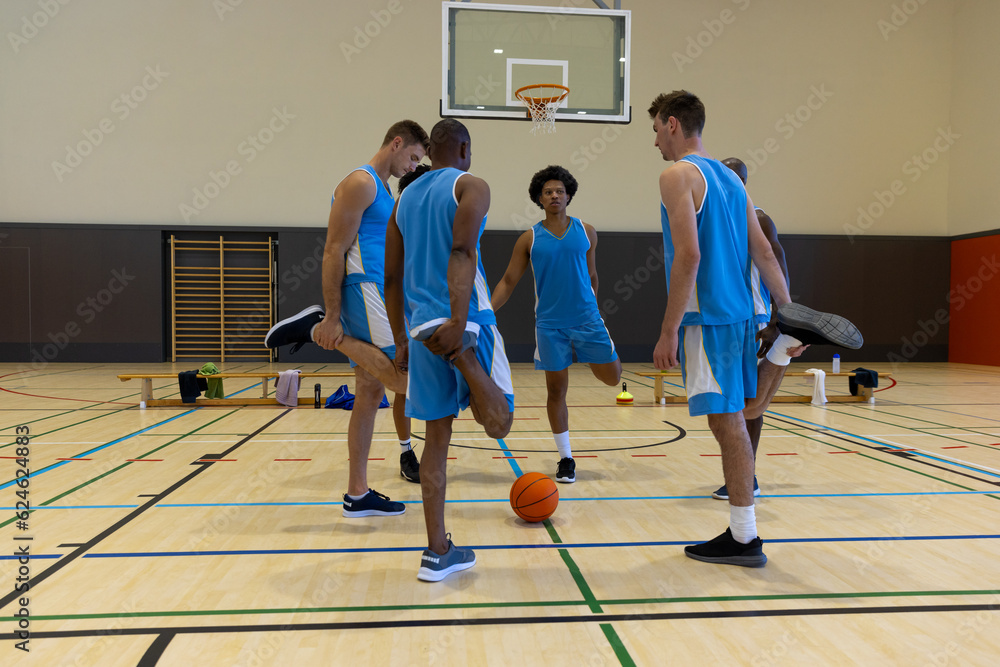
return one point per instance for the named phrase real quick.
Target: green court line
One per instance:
(36, 435)
(124, 465)
(616, 643)
(508, 605)
(40, 419)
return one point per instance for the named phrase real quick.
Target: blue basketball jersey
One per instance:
(365, 261)
(722, 286)
(426, 217)
(564, 296)
(761, 295)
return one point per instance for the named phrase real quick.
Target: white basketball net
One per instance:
(543, 109)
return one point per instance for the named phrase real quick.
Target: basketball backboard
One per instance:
(491, 50)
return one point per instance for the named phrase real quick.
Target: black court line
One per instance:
(70, 544)
(70, 557)
(155, 650)
(883, 449)
(514, 620)
(146, 495)
(681, 434)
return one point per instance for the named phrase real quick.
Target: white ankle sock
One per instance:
(357, 497)
(405, 445)
(743, 523)
(313, 330)
(777, 355)
(562, 442)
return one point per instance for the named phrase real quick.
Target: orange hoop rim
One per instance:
(537, 101)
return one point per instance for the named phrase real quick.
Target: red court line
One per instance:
(517, 419)
(452, 458)
(293, 459)
(642, 456)
(59, 398)
(73, 459)
(588, 456)
(784, 454)
(842, 452)
(995, 444)
(957, 447)
(506, 458)
(144, 460)
(893, 380)
(376, 459)
(13, 458)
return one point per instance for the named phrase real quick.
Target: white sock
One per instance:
(405, 445)
(562, 442)
(777, 355)
(361, 496)
(743, 523)
(313, 330)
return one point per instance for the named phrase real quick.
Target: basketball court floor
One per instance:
(160, 534)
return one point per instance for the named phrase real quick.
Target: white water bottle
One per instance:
(836, 363)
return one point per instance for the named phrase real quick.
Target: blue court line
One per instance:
(330, 503)
(36, 473)
(97, 449)
(502, 547)
(511, 461)
(888, 446)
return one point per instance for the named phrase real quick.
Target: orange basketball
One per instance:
(534, 497)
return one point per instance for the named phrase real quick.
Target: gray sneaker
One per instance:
(435, 567)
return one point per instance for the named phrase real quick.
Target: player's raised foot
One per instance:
(409, 467)
(296, 329)
(815, 328)
(727, 551)
(722, 493)
(372, 503)
(435, 566)
(566, 473)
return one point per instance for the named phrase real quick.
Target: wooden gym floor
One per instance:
(880, 523)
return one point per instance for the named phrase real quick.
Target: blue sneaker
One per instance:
(372, 503)
(435, 567)
(722, 493)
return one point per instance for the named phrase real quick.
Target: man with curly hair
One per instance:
(562, 252)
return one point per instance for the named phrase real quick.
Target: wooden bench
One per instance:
(147, 400)
(865, 394)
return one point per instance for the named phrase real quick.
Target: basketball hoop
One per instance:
(542, 109)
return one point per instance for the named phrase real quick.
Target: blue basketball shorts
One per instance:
(436, 389)
(719, 365)
(554, 347)
(363, 316)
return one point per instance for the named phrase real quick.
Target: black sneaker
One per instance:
(372, 503)
(815, 328)
(409, 467)
(727, 551)
(295, 329)
(722, 493)
(567, 471)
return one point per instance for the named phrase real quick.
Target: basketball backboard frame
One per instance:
(512, 109)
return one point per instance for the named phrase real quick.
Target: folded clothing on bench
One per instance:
(191, 385)
(863, 377)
